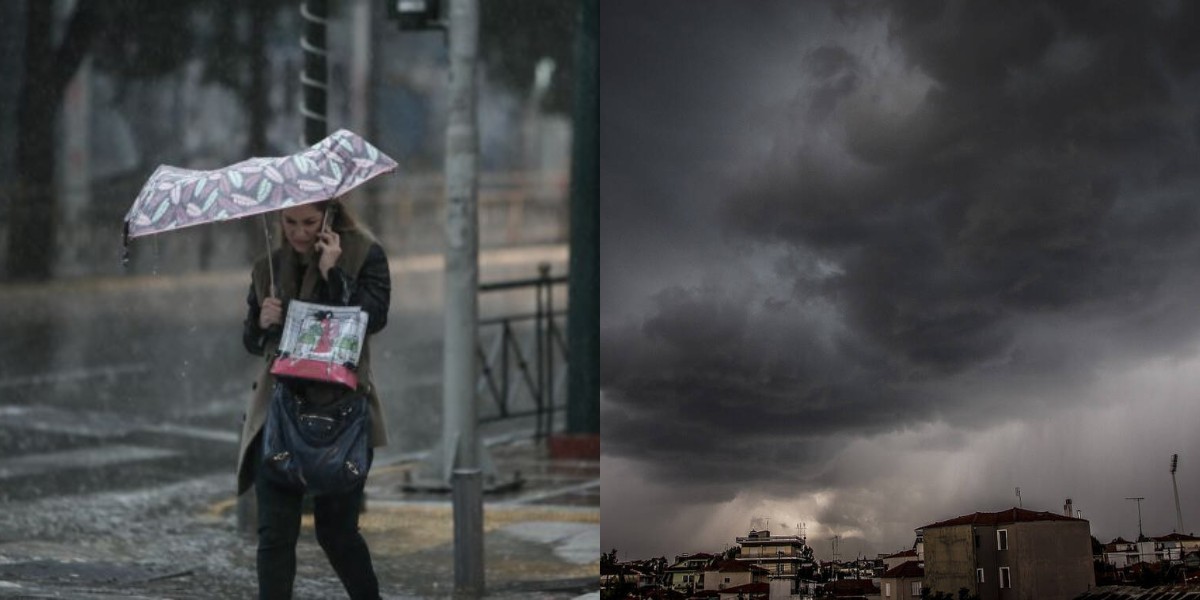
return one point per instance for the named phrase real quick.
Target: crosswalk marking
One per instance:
(74, 375)
(48, 419)
(80, 458)
(215, 435)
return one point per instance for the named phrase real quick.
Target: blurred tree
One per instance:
(131, 39)
(515, 35)
(48, 70)
(144, 38)
(236, 57)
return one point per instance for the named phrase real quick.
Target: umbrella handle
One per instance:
(270, 261)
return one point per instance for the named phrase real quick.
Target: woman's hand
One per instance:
(330, 247)
(271, 313)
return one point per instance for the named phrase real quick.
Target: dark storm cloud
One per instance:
(1045, 174)
(1026, 179)
(672, 90)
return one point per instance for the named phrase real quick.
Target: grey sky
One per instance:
(871, 265)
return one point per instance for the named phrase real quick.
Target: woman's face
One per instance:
(301, 225)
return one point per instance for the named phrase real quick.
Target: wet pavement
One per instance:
(180, 540)
(119, 405)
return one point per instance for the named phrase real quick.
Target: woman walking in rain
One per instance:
(341, 265)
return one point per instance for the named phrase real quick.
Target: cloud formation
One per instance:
(840, 223)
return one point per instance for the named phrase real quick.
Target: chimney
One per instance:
(1067, 509)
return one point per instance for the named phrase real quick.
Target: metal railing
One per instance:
(520, 361)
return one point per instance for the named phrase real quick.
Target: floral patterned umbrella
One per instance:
(174, 198)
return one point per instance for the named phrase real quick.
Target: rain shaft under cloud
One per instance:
(857, 257)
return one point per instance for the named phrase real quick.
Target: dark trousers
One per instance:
(336, 518)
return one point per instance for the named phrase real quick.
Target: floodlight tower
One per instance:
(1178, 512)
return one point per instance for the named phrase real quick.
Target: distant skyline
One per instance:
(871, 265)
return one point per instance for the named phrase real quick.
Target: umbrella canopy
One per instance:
(174, 198)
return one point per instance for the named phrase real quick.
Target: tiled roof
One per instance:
(908, 569)
(1004, 517)
(749, 588)
(912, 552)
(1134, 593)
(663, 594)
(682, 560)
(1176, 537)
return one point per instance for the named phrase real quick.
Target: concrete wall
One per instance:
(715, 580)
(901, 588)
(1052, 560)
(950, 559)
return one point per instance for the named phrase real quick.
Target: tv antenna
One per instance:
(1019, 505)
(1178, 512)
(1139, 499)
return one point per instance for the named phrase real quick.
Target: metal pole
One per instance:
(468, 531)
(548, 380)
(583, 302)
(540, 359)
(459, 434)
(315, 77)
(1139, 504)
(1174, 484)
(504, 338)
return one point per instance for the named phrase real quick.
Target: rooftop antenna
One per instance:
(1178, 512)
(1141, 537)
(1019, 505)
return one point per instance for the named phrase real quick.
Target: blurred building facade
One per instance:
(390, 86)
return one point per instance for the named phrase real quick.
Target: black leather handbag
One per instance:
(319, 449)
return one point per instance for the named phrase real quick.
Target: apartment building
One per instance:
(1014, 554)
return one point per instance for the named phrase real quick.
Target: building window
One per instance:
(1002, 539)
(887, 590)
(977, 540)
(979, 575)
(726, 580)
(1005, 581)
(916, 589)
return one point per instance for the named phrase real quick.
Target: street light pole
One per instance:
(459, 433)
(583, 318)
